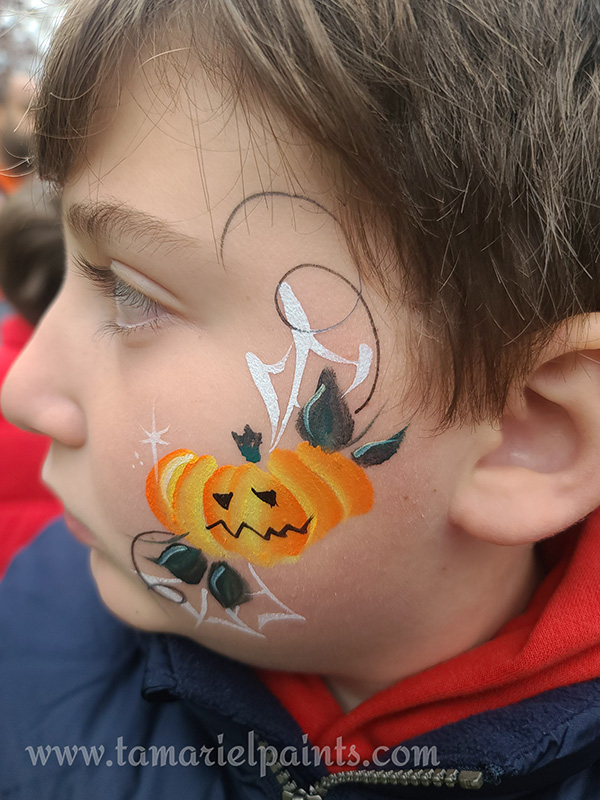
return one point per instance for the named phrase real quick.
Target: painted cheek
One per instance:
(174, 490)
(341, 482)
(251, 513)
(265, 516)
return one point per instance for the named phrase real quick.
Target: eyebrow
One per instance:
(109, 221)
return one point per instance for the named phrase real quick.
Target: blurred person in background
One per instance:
(31, 265)
(16, 90)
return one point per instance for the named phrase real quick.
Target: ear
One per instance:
(544, 475)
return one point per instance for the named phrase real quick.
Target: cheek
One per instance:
(250, 513)
(142, 411)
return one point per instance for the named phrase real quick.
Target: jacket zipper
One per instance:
(466, 779)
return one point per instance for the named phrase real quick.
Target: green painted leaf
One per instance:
(325, 421)
(184, 562)
(226, 585)
(373, 453)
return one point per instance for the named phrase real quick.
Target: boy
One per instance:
(322, 375)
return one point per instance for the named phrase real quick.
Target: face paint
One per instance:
(269, 515)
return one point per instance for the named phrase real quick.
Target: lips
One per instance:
(79, 530)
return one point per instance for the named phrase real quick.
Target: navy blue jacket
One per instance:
(73, 678)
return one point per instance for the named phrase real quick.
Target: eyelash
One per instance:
(123, 294)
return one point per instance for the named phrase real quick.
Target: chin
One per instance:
(127, 598)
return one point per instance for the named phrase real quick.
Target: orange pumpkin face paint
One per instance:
(270, 516)
(267, 517)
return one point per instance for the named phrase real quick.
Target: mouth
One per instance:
(80, 531)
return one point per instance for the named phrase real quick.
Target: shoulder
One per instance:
(71, 677)
(58, 642)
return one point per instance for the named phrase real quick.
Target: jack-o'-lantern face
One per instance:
(266, 516)
(246, 509)
(269, 516)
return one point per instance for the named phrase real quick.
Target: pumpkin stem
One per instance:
(248, 443)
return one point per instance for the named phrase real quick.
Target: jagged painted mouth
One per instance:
(280, 534)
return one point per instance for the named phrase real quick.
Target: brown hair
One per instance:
(472, 127)
(31, 249)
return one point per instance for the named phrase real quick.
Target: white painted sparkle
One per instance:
(154, 439)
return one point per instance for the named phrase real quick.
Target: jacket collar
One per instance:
(179, 669)
(519, 746)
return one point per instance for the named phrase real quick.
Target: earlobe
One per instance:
(544, 475)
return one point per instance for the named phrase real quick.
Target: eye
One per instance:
(223, 499)
(133, 310)
(269, 497)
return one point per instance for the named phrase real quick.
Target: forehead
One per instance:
(181, 149)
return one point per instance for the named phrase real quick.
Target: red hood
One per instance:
(554, 642)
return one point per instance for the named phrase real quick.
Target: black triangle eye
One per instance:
(223, 499)
(269, 497)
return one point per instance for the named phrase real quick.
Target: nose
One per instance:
(38, 393)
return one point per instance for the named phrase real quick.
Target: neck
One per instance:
(459, 619)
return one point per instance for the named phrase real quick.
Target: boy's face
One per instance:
(209, 288)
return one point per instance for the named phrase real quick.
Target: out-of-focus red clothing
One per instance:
(10, 183)
(25, 504)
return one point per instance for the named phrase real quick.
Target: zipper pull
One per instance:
(470, 779)
(289, 788)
